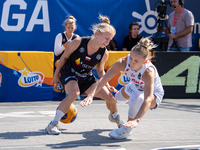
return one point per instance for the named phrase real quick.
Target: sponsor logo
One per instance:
(28, 79)
(139, 76)
(64, 40)
(82, 50)
(87, 66)
(83, 75)
(78, 62)
(123, 79)
(98, 57)
(148, 19)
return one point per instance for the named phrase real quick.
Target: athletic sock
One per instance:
(115, 114)
(58, 116)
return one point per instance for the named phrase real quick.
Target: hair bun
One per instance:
(104, 19)
(147, 43)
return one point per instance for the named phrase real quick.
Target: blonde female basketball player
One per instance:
(63, 39)
(75, 67)
(144, 92)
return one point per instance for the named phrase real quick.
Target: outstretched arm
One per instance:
(117, 67)
(149, 98)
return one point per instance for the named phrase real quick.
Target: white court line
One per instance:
(116, 149)
(27, 106)
(24, 147)
(89, 144)
(175, 147)
(53, 105)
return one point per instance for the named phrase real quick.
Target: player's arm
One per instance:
(100, 66)
(69, 50)
(58, 47)
(148, 79)
(117, 67)
(188, 30)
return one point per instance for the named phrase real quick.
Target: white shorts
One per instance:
(133, 92)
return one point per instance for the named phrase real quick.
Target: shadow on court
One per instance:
(194, 108)
(21, 135)
(91, 138)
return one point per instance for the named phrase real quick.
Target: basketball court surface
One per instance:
(174, 125)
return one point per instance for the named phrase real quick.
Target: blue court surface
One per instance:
(174, 125)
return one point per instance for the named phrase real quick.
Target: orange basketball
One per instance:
(56, 63)
(71, 115)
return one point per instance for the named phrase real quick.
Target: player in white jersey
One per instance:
(144, 92)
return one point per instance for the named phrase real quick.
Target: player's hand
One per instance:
(87, 101)
(55, 81)
(112, 89)
(66, 43)
(172, 36)
(131, 124)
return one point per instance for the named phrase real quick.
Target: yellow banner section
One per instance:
(29, 61)
(113, 57)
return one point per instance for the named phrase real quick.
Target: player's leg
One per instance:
(135, 102)
(110, 103)
(72, 88)
(122, 96)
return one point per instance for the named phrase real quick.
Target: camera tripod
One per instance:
(162, 42)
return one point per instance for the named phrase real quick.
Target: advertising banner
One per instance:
(32, 25)
(120, 79)
(179, 72)
(26, 76)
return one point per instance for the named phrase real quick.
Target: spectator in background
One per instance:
(112, 46)
(132, 38)
(63, 39)
(181, 22)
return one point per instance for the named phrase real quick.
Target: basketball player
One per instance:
(75, 66)
(143, 92)
(63, 39)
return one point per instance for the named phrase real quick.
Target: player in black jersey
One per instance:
(75, 66)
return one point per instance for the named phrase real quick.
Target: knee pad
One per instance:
(120, 98)
(135, 103)
(129, 89)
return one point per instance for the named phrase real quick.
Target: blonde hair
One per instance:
(70, 20)
(143, 47)
(104, 26)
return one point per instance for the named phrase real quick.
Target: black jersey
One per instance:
(64, 40)
(80, 63)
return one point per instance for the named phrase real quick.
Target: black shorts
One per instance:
(83, 83)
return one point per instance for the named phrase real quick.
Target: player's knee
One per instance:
(74, 94)
(135, 103)
(111, 99)
(120, 98)
(148, 101)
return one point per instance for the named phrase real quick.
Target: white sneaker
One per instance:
(52, 128)
(117, 120)
(120, 133)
